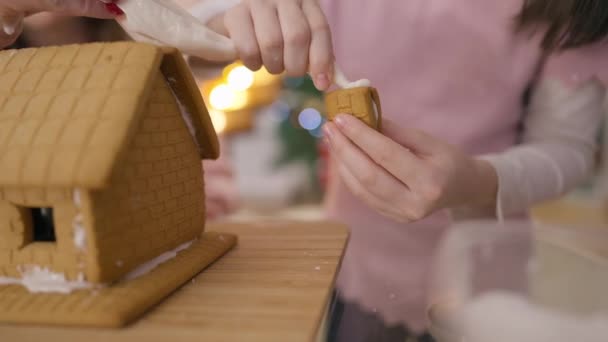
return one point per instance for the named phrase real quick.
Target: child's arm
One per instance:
(557, 151)
(404, 173)
(407, 175)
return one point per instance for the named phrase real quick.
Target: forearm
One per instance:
(533, 173)
(558, 148)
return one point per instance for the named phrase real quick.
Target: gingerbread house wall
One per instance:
(355, 101)
(17, 250)
(156, 198)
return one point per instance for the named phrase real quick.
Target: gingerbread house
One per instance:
(361, 102)
(100, 164)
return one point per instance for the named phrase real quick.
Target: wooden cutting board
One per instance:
(274, 286)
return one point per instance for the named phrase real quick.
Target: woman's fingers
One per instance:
(284, 36)
(11, 25)
(296, 37)
(321, 52)
(239, 23)
(269, 34)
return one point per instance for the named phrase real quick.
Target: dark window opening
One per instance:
(43, 224)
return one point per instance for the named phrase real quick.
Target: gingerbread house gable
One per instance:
(101, 143)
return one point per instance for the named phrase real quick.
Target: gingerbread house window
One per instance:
(42, 224)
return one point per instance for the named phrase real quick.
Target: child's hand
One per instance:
(407, 174)
(283, 35)
(12, 13)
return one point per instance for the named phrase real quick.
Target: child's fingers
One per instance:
(414, 139)
(239, 23)
(370, 175)
(269, 35)
(296, 37)
(387, 153)
(321, 54)
(356, 188)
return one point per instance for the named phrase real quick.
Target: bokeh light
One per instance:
(317, 133)
(282, 109)
(218, 119)
(240, 78)
(310, 119)
(222, 97)
(293, 82)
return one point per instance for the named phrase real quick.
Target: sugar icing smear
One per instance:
(341, 81)
(37, 279)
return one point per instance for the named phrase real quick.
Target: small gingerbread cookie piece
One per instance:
(361, 102)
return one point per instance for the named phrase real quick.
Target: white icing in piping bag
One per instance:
(163, 22)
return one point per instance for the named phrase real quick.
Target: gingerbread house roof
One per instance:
(68, 113)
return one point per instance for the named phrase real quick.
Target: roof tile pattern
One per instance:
(66, 113)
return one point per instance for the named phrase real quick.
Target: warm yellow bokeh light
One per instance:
(222, 97)
(240, 100)
(219, 120)
(263, 77)
(240, 78)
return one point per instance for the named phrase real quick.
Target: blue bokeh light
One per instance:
(310, 119)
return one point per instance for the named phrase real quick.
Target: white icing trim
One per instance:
(357, 84)
(80, 233)
(341, 81)
(152, 264)
(42, 280)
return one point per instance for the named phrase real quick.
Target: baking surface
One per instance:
(274, 286)
(116, 305)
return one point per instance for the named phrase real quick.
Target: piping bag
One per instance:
(165, 23)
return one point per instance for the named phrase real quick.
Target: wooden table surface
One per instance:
(274, 286)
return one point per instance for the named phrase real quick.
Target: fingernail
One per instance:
(322, 81)
(114, 9)
(340, 120)
(328, 133)
(326, 142)
(9, 29)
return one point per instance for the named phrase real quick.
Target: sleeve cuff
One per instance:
(507, 202)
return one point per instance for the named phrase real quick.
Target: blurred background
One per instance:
(270, 128)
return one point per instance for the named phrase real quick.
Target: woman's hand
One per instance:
(283, 35)
(407, 174)
(12, 13)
